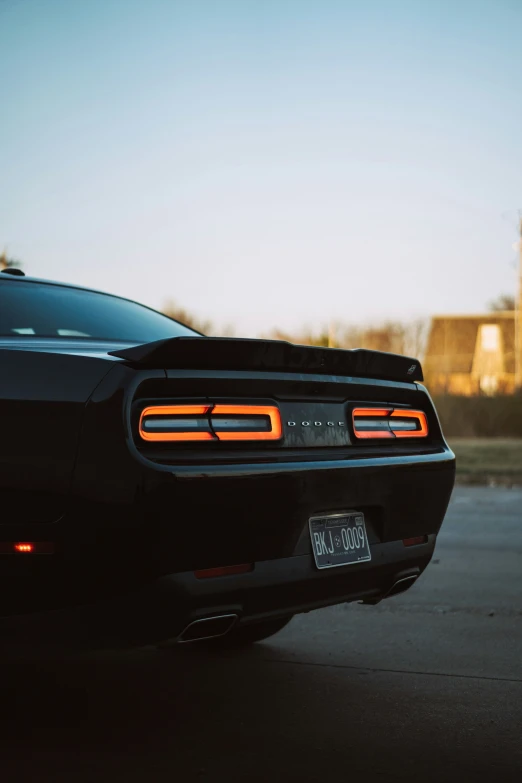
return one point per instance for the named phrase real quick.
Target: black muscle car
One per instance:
(157, 484)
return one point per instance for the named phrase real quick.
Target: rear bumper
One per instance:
(124, 564)
(275, 588)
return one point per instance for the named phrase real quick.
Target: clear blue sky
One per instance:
(265, 162)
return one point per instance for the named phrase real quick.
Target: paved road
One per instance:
(427, 686)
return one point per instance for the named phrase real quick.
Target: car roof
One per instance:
(26, 279)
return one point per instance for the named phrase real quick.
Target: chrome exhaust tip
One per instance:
(207, 628)
(401, 585)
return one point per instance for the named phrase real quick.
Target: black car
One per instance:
(158, 484)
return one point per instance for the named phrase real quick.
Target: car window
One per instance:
(42, 310)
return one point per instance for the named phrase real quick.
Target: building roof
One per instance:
(453, 338)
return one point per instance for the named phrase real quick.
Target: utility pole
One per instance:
(518, 312)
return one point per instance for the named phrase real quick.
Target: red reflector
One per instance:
(415, 540)
(209, 573)
(26, 547)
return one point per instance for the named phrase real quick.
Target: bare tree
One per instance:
(391, 336)
(205, 327)
(407, 338)
(6, 262)
(502, 302)
(416, 337)
(303, 337)
(172, 310)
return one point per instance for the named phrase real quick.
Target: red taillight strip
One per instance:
(174, 410)
(407, 414)
(361, 413)
(271, 411)
(276, 428)
(387, 415)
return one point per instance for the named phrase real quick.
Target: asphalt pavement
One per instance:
(426, 686)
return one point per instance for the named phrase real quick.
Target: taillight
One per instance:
(389, 423)
(26, 548)
(246, 422)
(175, 422)
(210, 423)
(372, 423)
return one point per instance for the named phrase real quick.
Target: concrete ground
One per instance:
(425, 687)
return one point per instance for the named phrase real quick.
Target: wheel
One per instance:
(249, 634)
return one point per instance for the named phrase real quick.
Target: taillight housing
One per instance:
(175, 423)
(246, 422)
(379, 423)
(210, 422)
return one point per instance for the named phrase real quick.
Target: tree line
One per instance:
(404, 337)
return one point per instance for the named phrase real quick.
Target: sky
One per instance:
(266, 163)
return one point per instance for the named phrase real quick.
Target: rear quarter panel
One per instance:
(42, 400)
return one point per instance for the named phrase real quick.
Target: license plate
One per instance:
(339, 539)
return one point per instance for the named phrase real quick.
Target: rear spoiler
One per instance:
(227, 353)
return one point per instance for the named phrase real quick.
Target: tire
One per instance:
(244, 635)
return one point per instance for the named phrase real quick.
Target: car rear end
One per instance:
(217, 479)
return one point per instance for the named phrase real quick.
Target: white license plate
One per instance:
(339, 539)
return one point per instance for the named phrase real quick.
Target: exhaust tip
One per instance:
(207, 628)
(401, 585)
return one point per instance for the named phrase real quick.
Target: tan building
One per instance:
(471, 354)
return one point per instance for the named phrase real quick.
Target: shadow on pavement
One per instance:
(244, 715)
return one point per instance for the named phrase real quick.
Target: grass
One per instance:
(488, 460)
